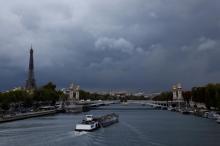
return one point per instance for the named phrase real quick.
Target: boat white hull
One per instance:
(87, 127)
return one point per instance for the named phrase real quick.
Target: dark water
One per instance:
(136, 128)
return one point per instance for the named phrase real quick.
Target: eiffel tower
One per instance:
(30, 82)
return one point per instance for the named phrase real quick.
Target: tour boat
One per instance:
(91, 123)
(170, 108)
(185, 111)
(88, 124)
(211, 115)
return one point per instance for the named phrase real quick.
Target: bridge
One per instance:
(153, 103)
(103, 105)
(140, 105)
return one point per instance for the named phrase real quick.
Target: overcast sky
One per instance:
(111, 44)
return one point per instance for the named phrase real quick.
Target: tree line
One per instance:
(208, 94)
(46, 94)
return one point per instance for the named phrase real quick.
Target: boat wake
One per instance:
(77, 133)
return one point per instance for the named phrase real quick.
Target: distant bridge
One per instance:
(141, 105)
(123, 108)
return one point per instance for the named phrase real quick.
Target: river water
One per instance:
(138, 126)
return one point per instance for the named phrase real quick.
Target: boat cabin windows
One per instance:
(89, 117)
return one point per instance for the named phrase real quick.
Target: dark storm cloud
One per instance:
(118, 44)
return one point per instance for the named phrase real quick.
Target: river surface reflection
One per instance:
(138, 126)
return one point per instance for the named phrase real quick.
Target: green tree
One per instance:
(164, 96)
(49, 86)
